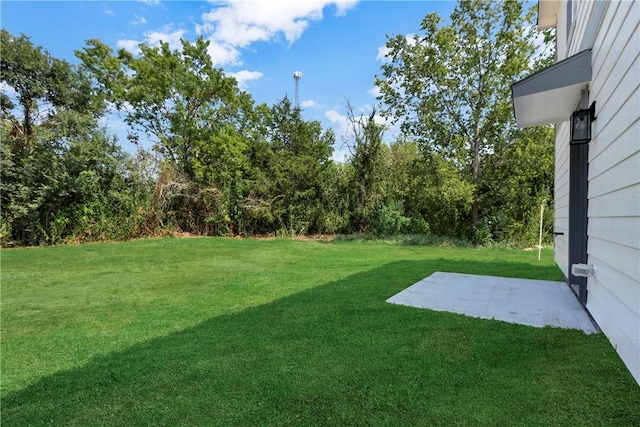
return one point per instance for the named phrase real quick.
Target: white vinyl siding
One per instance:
(587, 21)
(622, 328)
(581, 11)
(570, 20)
(613, 241)
(614, 182)
(561, 32)
(564, 40)
(561, 198)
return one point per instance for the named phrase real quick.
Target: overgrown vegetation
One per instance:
(220, 165)
(281, 332)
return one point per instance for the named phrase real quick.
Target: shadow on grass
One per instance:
(339, 355)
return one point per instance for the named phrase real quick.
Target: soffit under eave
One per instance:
(547, 13)
(550, 95)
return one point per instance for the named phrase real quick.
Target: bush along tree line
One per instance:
(220, 165)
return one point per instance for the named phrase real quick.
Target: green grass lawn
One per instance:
(284, 332)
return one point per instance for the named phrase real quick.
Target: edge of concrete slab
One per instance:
(537, 303)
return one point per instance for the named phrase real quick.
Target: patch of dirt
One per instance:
(185, 235)
(315, 237)
(320, 237)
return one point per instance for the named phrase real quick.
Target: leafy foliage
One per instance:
(513, 199)
(62, 176)
(449, 86)
(299, 163)
(366, 149)
(211, 162)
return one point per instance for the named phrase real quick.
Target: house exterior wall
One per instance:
(561, 198)
(613, 244)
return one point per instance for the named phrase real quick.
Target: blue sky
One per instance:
(337, 45)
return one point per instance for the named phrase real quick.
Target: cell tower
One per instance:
(297, 75)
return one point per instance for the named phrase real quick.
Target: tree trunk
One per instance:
(27, 126)
(474, 212)
(475, 171)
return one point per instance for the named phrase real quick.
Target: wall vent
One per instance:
(583, 270)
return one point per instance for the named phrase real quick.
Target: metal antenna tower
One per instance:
(297, 75)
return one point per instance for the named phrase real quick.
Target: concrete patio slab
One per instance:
(537, 303)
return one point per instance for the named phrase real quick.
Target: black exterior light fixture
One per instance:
(581, 124)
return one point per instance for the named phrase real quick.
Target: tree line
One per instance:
(222, 165)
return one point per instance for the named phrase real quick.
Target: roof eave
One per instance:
(551, 94)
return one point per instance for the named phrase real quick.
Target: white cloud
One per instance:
(245, 22)
(153, 38)
(383, 51)
(334, 117)
(114, 122)
(129, 45)
(202, 29)
(374, 91)
(541, 49)
(235, 24)
(342, 120)
(341, 154)
(309, 103)
(411, 39)
(343, 6)
(341, 127)
(344, 129)
(340, 123)
(138, 20)
(379, 120)
(223, 54)
(232, 25)
(8, 90)
(108, 11)
(245, 76)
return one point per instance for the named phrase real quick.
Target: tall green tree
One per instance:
(178, 99)
(433, 197)
(62, 176)
(364, 142)
(449, 85)
(518, 179)
(42, 86)
(197, 119)
(291, 187)
(427, 190)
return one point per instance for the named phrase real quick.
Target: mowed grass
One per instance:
(284, 332)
